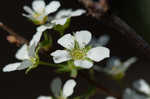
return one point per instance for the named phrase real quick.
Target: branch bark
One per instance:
(19, 40)
(98, 11)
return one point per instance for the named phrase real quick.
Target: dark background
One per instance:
(17, 85)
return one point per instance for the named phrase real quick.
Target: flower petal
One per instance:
(69, 13)
(68, 88)
(83, 64)
(142, 86)
(31, 51)
(103, 40)
(38, 6)
(67, 41)
(56, 87)
(83, 38)
(60, 56)
(52, 7)
(22, 53)
(110, 97)
(98, 53)
(11, 67)
(28, 10)
(63, 13)
(36, 38)
(43, 28)
(130, 94)
(78, 12)
(61, 21)
(25, 64)
(130, 61)
(44, 97)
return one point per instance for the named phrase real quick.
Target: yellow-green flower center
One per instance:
(77, 54)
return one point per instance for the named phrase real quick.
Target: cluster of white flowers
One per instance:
(79, 50)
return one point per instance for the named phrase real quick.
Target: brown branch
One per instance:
(13, 36)
(96, 9)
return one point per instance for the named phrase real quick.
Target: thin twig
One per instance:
(96, 10)
(19, 39)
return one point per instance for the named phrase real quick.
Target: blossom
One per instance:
(40, 11)
(67, 89)
(44, 97)
(142, 86)
(131, 94)
(110, 97)
(78, 51)
(60, 18)
(27, 54)
(115, 67)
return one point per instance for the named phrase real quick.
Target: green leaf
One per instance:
(61, 28)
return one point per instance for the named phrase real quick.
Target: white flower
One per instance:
(44, 97)
(131, 94)
(110, 97)
(40, 11)
(27, 54)
(61, 18)
(115, 66)
(77, 51)
(67, 89)
(142, 86)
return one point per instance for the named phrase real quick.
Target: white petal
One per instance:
(31, 51)
(25, 64)
(11, 67)
(61, 21)
(98, 53)
(114, 61)
(130, 94)
(83, 64)
(130, 61)
(28, 10)
(38, 6)
(110, 97)
(36, 38)
(44, 97)
(52, 7)
(103, 40)
(60, 56)
(22, 53)
(28, 16)
(69, 13)
(56, 87)
(78, 12)
(67, 41)
(43, 28)
(68, 88)
(63, 13)
(142, 86)
(83, 38)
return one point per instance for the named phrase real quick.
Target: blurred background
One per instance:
(17, 85)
